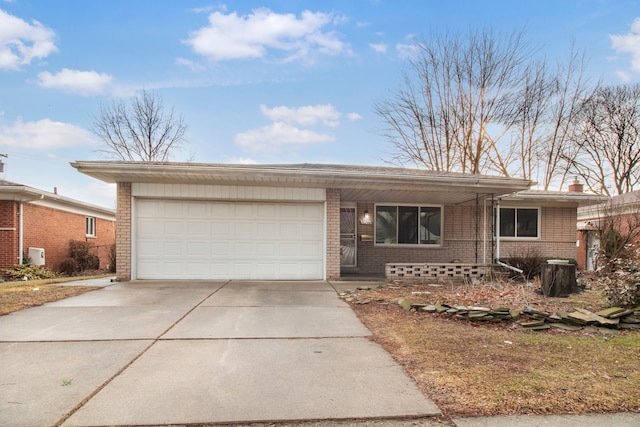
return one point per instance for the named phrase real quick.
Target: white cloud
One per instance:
(406, 50)
(378, 47)
(256, 35)
(242, 161)
(629, 43)
(307, 115)
(273, 137)
(81, 82)
(21, 42)
(354, 116)
(193, 66)
(44, 134)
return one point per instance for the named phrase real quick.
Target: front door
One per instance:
(348, 237)
(593, 247)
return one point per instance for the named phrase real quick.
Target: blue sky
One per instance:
(277, 81)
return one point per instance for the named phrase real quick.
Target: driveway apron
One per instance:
(149, 353)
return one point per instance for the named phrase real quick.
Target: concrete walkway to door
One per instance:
(155, 353)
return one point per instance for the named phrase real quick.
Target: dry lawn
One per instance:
(18, 295)
(473, 369)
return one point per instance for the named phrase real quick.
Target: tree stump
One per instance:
(559, 280)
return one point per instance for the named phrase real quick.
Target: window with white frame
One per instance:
(519, 222)
(90, 225)
(408, 225)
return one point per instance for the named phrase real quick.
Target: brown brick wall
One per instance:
(9, 226)
(123, 232)
(558, 227)
(333, 234)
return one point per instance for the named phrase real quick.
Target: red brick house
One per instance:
(315, 222)
(33, 218)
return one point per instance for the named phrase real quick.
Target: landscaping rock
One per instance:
(405, 304)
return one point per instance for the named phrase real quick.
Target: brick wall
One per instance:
(9, 226)
(53, 229)
(333, 234)
(558, 227)
(123, 231)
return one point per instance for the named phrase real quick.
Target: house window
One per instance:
(408, 225)
(519, 222)
(90, 226)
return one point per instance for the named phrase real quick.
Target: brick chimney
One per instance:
(576, 186)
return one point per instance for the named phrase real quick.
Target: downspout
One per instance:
(484, 230)
(497, 228)
(20, 234)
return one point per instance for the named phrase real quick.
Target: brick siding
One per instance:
(51, 229)
(333, 234)
(557, 239)
(9, 230)
(123, 232)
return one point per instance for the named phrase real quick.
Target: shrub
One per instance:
(30, 271)
(80, 252)
(68, 267)
(112, 258)
(528, 261)
(621, 279)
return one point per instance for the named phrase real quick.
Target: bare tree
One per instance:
(479, 103)
(568, 88)
(445, 118)
(607, 140)
(140, 130)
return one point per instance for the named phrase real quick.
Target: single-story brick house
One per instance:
(33, 218)
(309, 221)
(623, 213)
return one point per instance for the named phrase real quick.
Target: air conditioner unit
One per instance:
(37, 256)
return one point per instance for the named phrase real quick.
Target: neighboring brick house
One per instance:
(315, 222)
(33, 218)
(622, 212)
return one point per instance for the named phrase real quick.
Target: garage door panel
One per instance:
(174, 209)
(220, 229)
(225, 240)
(174, 227)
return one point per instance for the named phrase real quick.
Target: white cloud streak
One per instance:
(379, 47)
(263, 33)
(307, 115)
(82, 82)
(629, 43)
(44, 134)
(273, 137)
(21, 42)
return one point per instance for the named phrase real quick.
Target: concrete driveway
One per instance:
(149, 353)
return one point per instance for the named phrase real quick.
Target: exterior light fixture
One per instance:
(366, 219)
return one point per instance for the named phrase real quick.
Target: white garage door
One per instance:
(228, 240)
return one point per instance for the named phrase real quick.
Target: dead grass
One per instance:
(472, 369)
(18, 295)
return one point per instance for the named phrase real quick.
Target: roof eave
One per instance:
(268, 175)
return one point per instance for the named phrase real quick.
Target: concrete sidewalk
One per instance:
(156, 353)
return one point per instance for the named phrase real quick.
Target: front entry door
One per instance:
(348, 237)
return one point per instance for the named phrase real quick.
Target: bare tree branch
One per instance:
(141, 130)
